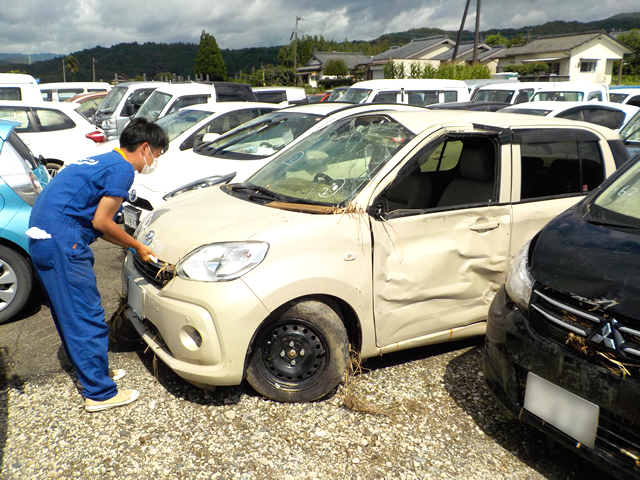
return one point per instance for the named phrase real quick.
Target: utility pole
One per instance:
(295, 51)
(93, 62)
(475, 40)
(464, 17)
(64, 73)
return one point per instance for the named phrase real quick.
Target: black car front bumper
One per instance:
(513, 349)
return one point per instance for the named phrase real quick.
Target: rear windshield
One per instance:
(234, 93)
(559, 96)
(494, 96)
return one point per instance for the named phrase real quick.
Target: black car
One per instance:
(563, 338)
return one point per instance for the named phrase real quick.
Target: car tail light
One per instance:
(96, 136)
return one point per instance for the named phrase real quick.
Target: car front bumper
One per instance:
(201, 330)
(513, 349)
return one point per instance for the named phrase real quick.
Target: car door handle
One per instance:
(484, 227)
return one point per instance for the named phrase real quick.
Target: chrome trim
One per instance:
(632, 351)
(568, 308)
(560, 322)
(629, 330)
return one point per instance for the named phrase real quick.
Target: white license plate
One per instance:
(569, 413)
(135, 298)
(131, 218)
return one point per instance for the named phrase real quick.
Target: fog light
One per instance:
(190, 338)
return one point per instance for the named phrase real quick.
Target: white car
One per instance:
(608, 114)
(54, 130)
(627, 96)
(234, 156)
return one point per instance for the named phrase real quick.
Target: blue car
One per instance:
(22, 177)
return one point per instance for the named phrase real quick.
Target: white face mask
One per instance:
(147, 169)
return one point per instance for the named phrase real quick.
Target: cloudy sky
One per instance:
(65, 26)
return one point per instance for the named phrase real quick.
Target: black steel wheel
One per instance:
(16, 283)
(300, 357)
(53, 168)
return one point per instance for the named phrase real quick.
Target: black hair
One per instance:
(140, 130)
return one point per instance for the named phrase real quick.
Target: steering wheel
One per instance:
(267, 144)
(323, 177)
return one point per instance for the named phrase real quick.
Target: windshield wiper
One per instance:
(256, 191)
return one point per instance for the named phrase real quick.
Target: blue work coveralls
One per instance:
(64, 262)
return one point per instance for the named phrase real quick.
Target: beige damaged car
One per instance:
(380, 232)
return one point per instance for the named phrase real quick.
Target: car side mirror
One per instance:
(129, 109)
(378, 208)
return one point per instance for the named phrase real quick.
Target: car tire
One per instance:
(16, 283)
(53, 168)
(301, 356)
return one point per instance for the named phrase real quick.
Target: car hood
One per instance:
(207, 216)
(183, 168)
(589, 261)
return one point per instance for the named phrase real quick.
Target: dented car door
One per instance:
(441, 240)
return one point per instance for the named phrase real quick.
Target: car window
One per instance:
(10, 93)
(63, 94)
(450, 97)
(452, 173)
(612, 119)
(618, 97)
(226, 122)
(386, 97)
(572, 115)
(275, 96)
(356, 95)
(524, 95)
(136, 99)
(186, 101)
(557, 168)
(422, 98)
(233, 93)
(494, 96)
(558, 96)
(152, 107)
(595, 96)
(18, 115)
(52, 120)
(635, 101)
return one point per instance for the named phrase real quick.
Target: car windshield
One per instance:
(355, 95)
(336, 94)
(330, 166)
(558, 96)
(620, 201)
(631, 131)
(261, 137)
(527, 111)
(178, 122)
(112, 100)
(152, 107)
(493, 96)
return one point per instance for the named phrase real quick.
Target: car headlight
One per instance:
(519, 281)
(108, 124)
(202, 183)
(221, 262)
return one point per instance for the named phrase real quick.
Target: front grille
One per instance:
(582, 323)
(155, 273)
(143, 204)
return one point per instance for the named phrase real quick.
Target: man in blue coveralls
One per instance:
(78, 206)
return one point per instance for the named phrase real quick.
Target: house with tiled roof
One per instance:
(313, 70)
(421, 51)
(585, 57)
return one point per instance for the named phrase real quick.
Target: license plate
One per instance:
(131, 217)
(135, 298)
(569, 413)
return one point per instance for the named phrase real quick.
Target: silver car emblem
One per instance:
(604, 336)
(148, 238)
(133, 195)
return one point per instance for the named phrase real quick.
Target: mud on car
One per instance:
(382, 231)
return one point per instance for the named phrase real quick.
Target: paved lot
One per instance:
(430, 416)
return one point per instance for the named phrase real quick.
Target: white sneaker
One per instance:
(117, 374)
(123, 397)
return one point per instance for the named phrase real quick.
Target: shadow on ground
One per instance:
(466, 386)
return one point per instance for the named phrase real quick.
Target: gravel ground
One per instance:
(433, 418)
(437, 420)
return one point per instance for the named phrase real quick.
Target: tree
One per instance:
(631, 64)
(336, 67)
(71, 64)
(496, 39)
(209, 59)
